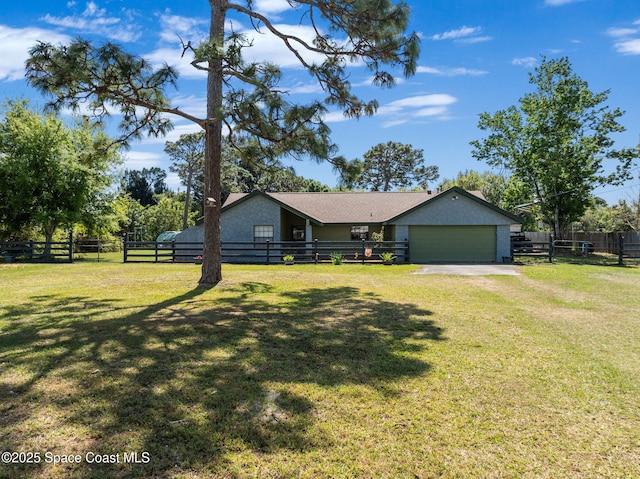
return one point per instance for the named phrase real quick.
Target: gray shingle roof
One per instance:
(348, 207)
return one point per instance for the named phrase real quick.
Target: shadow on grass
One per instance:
(196, 377)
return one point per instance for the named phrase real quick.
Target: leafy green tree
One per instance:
(51, 175)
(392, 165)
(491, 185)
(129, 214)
(556, 142)
(603, 218)
(143, 185)
(245, 95)
(285, 179)
(166, 215)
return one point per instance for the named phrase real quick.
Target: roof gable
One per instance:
(472, 195)
(357, 207)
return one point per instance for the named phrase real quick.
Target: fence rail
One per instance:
(535, 244)
(37, 251)
(266, 252)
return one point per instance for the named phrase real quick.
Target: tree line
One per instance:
(55, 176)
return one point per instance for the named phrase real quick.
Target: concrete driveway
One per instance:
(470, 269)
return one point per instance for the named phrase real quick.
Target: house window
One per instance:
(262, 233)
(359, 232)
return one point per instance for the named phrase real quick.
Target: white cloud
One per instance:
(434, 106)
(192, 104)
(528, 62)
(335, 117)
(425, 100)
(432, 111)
(94, 20)
(400, 112)
(302, 89)
(627, 39)
(621, 32)
(629, 47)
(463, 34)
(450, 72)
(392, 123)
(137, 160)
(187, 28)
(267, 47)
(271, 7)
(14, 48)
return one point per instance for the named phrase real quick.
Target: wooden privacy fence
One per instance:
(37, 251)
(267, 252)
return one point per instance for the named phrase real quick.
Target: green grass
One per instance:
(321, 371)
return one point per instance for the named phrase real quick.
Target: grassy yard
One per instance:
(319, 371)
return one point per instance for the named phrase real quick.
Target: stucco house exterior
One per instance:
(448, 226)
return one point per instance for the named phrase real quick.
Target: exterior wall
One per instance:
(331, 233)
(237, 224)
(446, 211)
(462, 211)
(187, 253)
(343, 232)
(503, 245)
(195, 234)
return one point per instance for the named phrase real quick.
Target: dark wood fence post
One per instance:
(315, 251)
(363, 249)
(406, 251)
(71, 247)
(551, 252)
(620, 249)
(268, 261)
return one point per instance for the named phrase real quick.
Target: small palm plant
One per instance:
(387, 257)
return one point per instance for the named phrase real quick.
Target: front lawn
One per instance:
(132, 371)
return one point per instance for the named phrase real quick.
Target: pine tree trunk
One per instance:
(211, 259)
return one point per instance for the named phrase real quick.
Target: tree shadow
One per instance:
(196, 377)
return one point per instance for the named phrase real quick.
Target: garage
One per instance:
(475, 243)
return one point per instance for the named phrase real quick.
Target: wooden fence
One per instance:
(625, 246)
(267, 252)
(602, 242)
(627, 249)
(37, 251)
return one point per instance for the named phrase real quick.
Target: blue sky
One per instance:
(475, 57)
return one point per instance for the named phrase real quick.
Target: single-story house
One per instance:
(448, 226)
